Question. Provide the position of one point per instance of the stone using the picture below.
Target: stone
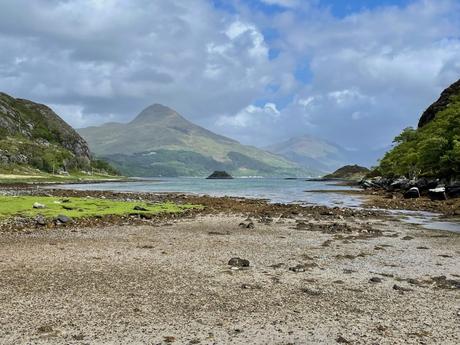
(375, 280)
(437, 193)
(238, 262)
(63, 219)
(412, 193)
(139, 208)
(40, 221)
(38, 205)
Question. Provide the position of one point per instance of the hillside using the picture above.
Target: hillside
(433, 149)
(349, 172)
(160, 142)
(311, 153)
(32, 136)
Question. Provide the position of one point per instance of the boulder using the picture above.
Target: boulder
(400, 184)
(219, 175)
(437, 193)
(412, 193)
(424, 184)
(453, 191)
(40, 221)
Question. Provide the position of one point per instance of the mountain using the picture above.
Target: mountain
(33, 136)
(433, 149)
(160, 142)
(311, 153)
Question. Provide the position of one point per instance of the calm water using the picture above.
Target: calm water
(273, 189)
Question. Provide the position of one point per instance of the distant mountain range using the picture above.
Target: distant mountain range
(312, 153)
(160, 142)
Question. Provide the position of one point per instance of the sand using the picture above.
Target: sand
(170, 283)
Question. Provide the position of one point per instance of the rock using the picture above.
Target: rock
(400, 184)
(412, 193)
(62, 219)
(453, 191)
(250, 226)
(342, 340)
(238, 262)
(407, 238)
(40, 221)
(400, 288)
(437, 193)
(38, 205)
(139, 208)
(375, 280)
(219, 175)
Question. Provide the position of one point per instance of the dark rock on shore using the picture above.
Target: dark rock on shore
(238, 262)
(412, 193)
(219, 175)
(437, 193)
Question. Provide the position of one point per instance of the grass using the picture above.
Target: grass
(29, 175)
(81, 207)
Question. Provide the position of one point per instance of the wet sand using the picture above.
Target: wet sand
(314, 278)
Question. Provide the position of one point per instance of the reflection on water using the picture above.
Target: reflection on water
(275, 190)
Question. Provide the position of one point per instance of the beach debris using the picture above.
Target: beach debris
(407, 238)
(342, 340)
(38, 205)
(302, 267)
(443, 283)
(401, 288)
(375, 280)
(311, 292)
(238, 262)
(244, 225)
(169, 339)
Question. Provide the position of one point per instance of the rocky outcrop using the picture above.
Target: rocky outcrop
(349, 172)
(38, 122)
(442, 103)
(33, 134)
(219, 175)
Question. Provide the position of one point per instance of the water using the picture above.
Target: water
(275, 190)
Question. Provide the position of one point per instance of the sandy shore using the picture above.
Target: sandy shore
(309, 282)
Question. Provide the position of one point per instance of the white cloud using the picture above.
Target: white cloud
(250, 116)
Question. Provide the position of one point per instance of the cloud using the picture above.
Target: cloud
(256, 75)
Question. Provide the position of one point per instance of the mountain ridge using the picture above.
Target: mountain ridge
(166, 142)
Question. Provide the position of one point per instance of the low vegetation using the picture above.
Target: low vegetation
(82, 207)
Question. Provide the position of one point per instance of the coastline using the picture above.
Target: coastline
(315, 275)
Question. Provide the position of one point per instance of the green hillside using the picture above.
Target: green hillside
(160, 142)
(433, 149)
(33, 137)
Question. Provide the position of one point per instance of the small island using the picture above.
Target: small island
(219, 175)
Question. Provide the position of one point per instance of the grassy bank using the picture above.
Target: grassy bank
(33, 176)
(82, 207)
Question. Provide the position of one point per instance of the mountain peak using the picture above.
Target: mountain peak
(155, 112)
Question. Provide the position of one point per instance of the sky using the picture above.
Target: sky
(260, 71)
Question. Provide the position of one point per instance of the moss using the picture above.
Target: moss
(82, 207)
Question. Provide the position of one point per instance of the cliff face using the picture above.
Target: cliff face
(33, 134)
(442, 103)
